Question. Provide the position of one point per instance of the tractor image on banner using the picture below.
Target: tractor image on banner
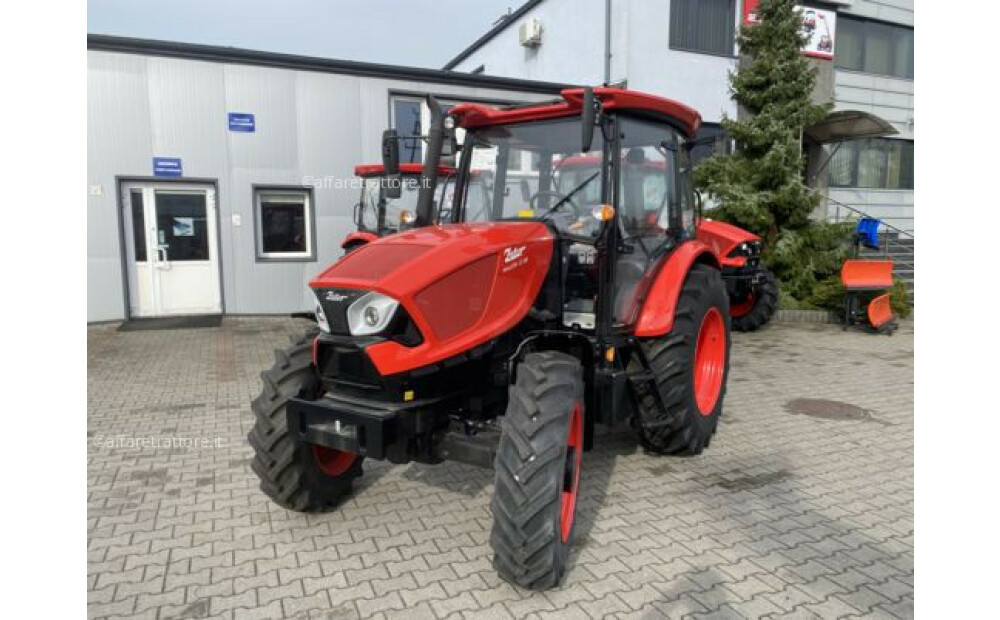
(523, 308)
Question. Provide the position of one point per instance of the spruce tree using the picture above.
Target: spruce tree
(760, 187)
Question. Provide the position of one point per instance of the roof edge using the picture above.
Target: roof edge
(216, 53)
(492, 32)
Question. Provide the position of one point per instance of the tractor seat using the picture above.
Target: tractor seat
(870, 275)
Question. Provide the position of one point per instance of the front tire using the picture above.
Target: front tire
(538, 471)
(760, 305)
(298, 476)
(690, 365)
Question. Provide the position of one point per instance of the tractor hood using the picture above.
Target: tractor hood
(461, 284)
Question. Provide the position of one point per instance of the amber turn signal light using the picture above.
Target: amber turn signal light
(604, 213)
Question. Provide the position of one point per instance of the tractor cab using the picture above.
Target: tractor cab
(617, 194)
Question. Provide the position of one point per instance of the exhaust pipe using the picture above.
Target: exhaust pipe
(428, 177)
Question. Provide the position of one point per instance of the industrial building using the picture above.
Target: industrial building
(218, 178)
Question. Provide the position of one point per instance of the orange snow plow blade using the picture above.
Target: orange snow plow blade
(866, 274)
(880, 311)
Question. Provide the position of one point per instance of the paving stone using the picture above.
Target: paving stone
(785, 515)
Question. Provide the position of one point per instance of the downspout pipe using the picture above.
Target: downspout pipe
(607, 42)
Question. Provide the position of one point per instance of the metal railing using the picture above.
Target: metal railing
(905, 251)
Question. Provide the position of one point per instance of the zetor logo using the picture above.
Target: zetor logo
(335, 296)
(512, 254)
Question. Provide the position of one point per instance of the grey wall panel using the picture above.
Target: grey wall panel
(889, 98)
(118, 143)
(895, 11)
(572, 45)
(330, 141)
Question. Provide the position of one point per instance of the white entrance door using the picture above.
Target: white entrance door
(172, 249)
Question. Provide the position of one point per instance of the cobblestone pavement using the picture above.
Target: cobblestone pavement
(800, 508)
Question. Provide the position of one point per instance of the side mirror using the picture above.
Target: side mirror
(587, 118)
(392, 183)
(525, 190)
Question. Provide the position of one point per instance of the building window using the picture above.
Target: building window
(711, 140)
(406, 116)
(284, 224)
(875, 163)
(703, 26)
(874, 47)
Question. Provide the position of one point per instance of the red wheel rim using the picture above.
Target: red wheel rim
(333, 462)
(571, 473)
(709, 360)
(744, 307)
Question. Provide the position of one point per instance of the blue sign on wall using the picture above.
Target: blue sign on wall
(167, 167)
(239, 121)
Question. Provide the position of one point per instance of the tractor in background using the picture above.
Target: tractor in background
(752, 288)
(381, 211)
(502, 336)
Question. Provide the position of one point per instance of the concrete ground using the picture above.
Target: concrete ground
(802, 507)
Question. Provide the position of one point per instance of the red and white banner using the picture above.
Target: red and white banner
(819, 26)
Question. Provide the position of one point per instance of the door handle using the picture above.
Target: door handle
(162, 259)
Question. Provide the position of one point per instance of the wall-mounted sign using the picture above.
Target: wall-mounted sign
(167, 167)
(819, 27)
(242, 122)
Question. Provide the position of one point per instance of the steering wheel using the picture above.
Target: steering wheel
(533, 203)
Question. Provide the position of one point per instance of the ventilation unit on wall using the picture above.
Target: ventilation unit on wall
(530, 33)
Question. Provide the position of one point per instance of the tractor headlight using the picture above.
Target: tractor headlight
(321, 318)
(370, 314)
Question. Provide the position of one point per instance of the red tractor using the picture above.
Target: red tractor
(501, 337)
(752, 288)
(379, 211)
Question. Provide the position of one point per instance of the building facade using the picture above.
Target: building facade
(219, 180)
(685, 50)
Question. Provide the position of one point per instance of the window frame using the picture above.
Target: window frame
(865, 24)
(309, 205)
(885, 144)
(733, 29)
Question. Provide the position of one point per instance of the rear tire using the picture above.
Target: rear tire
(538, 471)
(692, 385)
(762, 305)
(297, 476)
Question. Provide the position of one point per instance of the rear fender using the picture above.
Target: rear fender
(657, 315)
(358, 237)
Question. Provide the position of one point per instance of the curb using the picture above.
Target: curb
(806, 316)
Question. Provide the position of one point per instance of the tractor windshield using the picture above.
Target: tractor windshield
(519, 165)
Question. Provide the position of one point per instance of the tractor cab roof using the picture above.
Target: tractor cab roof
(685, 118)
(377, 170)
